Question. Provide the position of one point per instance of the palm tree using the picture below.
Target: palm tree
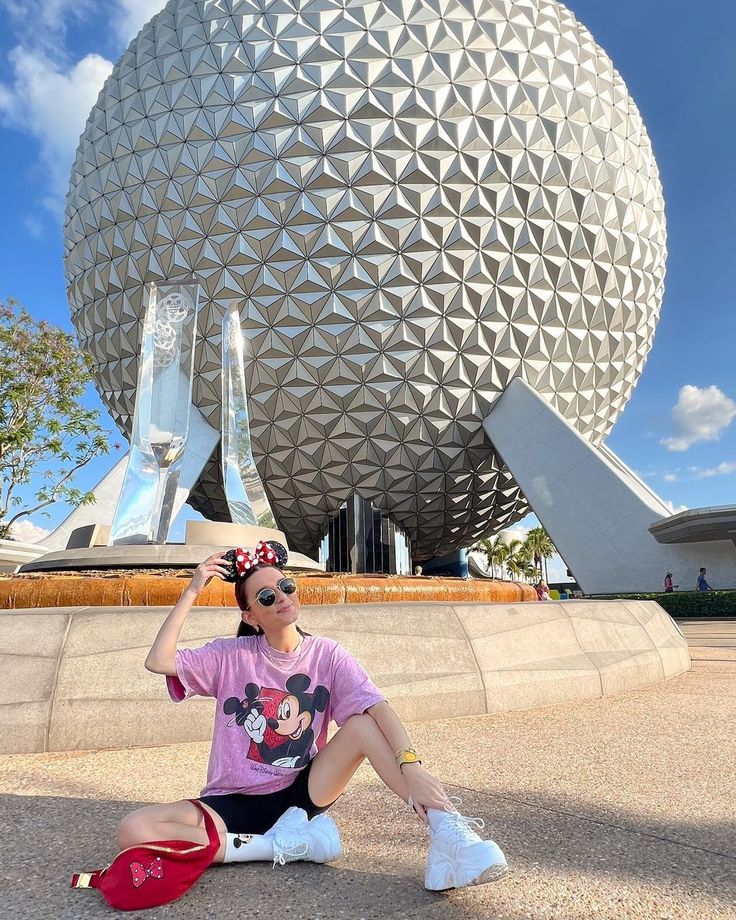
(499, 553)
(511, 562)
(496, 552)
(513, 546)
(515, 566)
(541, 547)
(518, 558)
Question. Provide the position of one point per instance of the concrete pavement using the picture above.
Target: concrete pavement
(709, 632)
(611, 808)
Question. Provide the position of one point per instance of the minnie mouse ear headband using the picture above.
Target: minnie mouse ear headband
(241, 561)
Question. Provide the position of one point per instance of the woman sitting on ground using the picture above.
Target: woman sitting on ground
(272, 773)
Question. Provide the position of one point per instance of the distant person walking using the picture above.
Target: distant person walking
(668, 586)
(702, 582)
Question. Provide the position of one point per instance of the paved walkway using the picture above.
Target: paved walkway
(617, 808)
(714, 632)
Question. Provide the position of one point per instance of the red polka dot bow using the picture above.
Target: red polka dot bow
(139, 873)
(262, 555)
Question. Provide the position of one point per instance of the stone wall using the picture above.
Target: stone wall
(73, 678)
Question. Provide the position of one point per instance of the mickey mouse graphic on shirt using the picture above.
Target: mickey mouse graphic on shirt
(280, 723)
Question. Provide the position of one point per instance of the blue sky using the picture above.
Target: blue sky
(678, 430)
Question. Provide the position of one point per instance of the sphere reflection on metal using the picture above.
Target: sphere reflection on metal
(412, 201)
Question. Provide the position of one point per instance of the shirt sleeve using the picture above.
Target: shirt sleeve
(352, 690)
(197, 672)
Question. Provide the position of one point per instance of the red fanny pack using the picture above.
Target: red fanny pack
(152, 874)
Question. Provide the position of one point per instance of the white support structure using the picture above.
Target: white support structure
(203, 439)
(595, 509)
(107, 492)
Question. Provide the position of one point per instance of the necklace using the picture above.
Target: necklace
(292, 664)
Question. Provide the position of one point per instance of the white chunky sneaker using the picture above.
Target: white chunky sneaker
(295, 837)
(458, 856)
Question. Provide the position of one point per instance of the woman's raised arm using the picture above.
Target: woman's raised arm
(160, 659)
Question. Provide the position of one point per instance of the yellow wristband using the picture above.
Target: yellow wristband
(407, 756)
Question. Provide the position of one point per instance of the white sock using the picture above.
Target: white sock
(248, 848)
(435, 816)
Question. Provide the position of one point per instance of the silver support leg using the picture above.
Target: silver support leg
(244, 491)
(161, 418)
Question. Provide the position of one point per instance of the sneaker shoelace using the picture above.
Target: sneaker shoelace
(462, 827)
(288, 852)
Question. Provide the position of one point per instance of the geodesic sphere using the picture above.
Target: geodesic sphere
(413, 202)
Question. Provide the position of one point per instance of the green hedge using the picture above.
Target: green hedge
(691, 603)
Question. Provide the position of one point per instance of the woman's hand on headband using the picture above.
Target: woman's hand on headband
(214, 566)
(425, 791)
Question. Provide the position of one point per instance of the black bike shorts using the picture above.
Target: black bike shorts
(255, 814)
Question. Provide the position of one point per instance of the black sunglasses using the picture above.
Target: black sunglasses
(266, 597)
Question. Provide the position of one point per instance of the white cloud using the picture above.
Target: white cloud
(701, 414)
(723, 469)
(671, 477)
(26, 531)
(674, 509)
(52, 105)
(34, 226)
(134, 14)
(519, 532)
(44, 20)
(48, 95)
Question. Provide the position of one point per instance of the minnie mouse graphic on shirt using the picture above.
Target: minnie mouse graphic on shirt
(280, 723)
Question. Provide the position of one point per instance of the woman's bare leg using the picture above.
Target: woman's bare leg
(480, 861)
(334, 766)
(173, 821)
(332, 769)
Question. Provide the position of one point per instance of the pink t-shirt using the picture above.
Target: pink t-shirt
(273, 708)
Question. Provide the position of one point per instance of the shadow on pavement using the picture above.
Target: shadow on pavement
(557, 833)
(54, 837)
(546, 841)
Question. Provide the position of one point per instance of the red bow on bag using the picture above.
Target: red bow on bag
(139, 873)
(262, 555)
(177, 864)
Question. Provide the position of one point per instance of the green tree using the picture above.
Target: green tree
(513, 545)
(530, 573)
(515, 566)
(499, 552)
(542, 548)
(514, 563)
(496, 552)
(46, 434)
(517, 558)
